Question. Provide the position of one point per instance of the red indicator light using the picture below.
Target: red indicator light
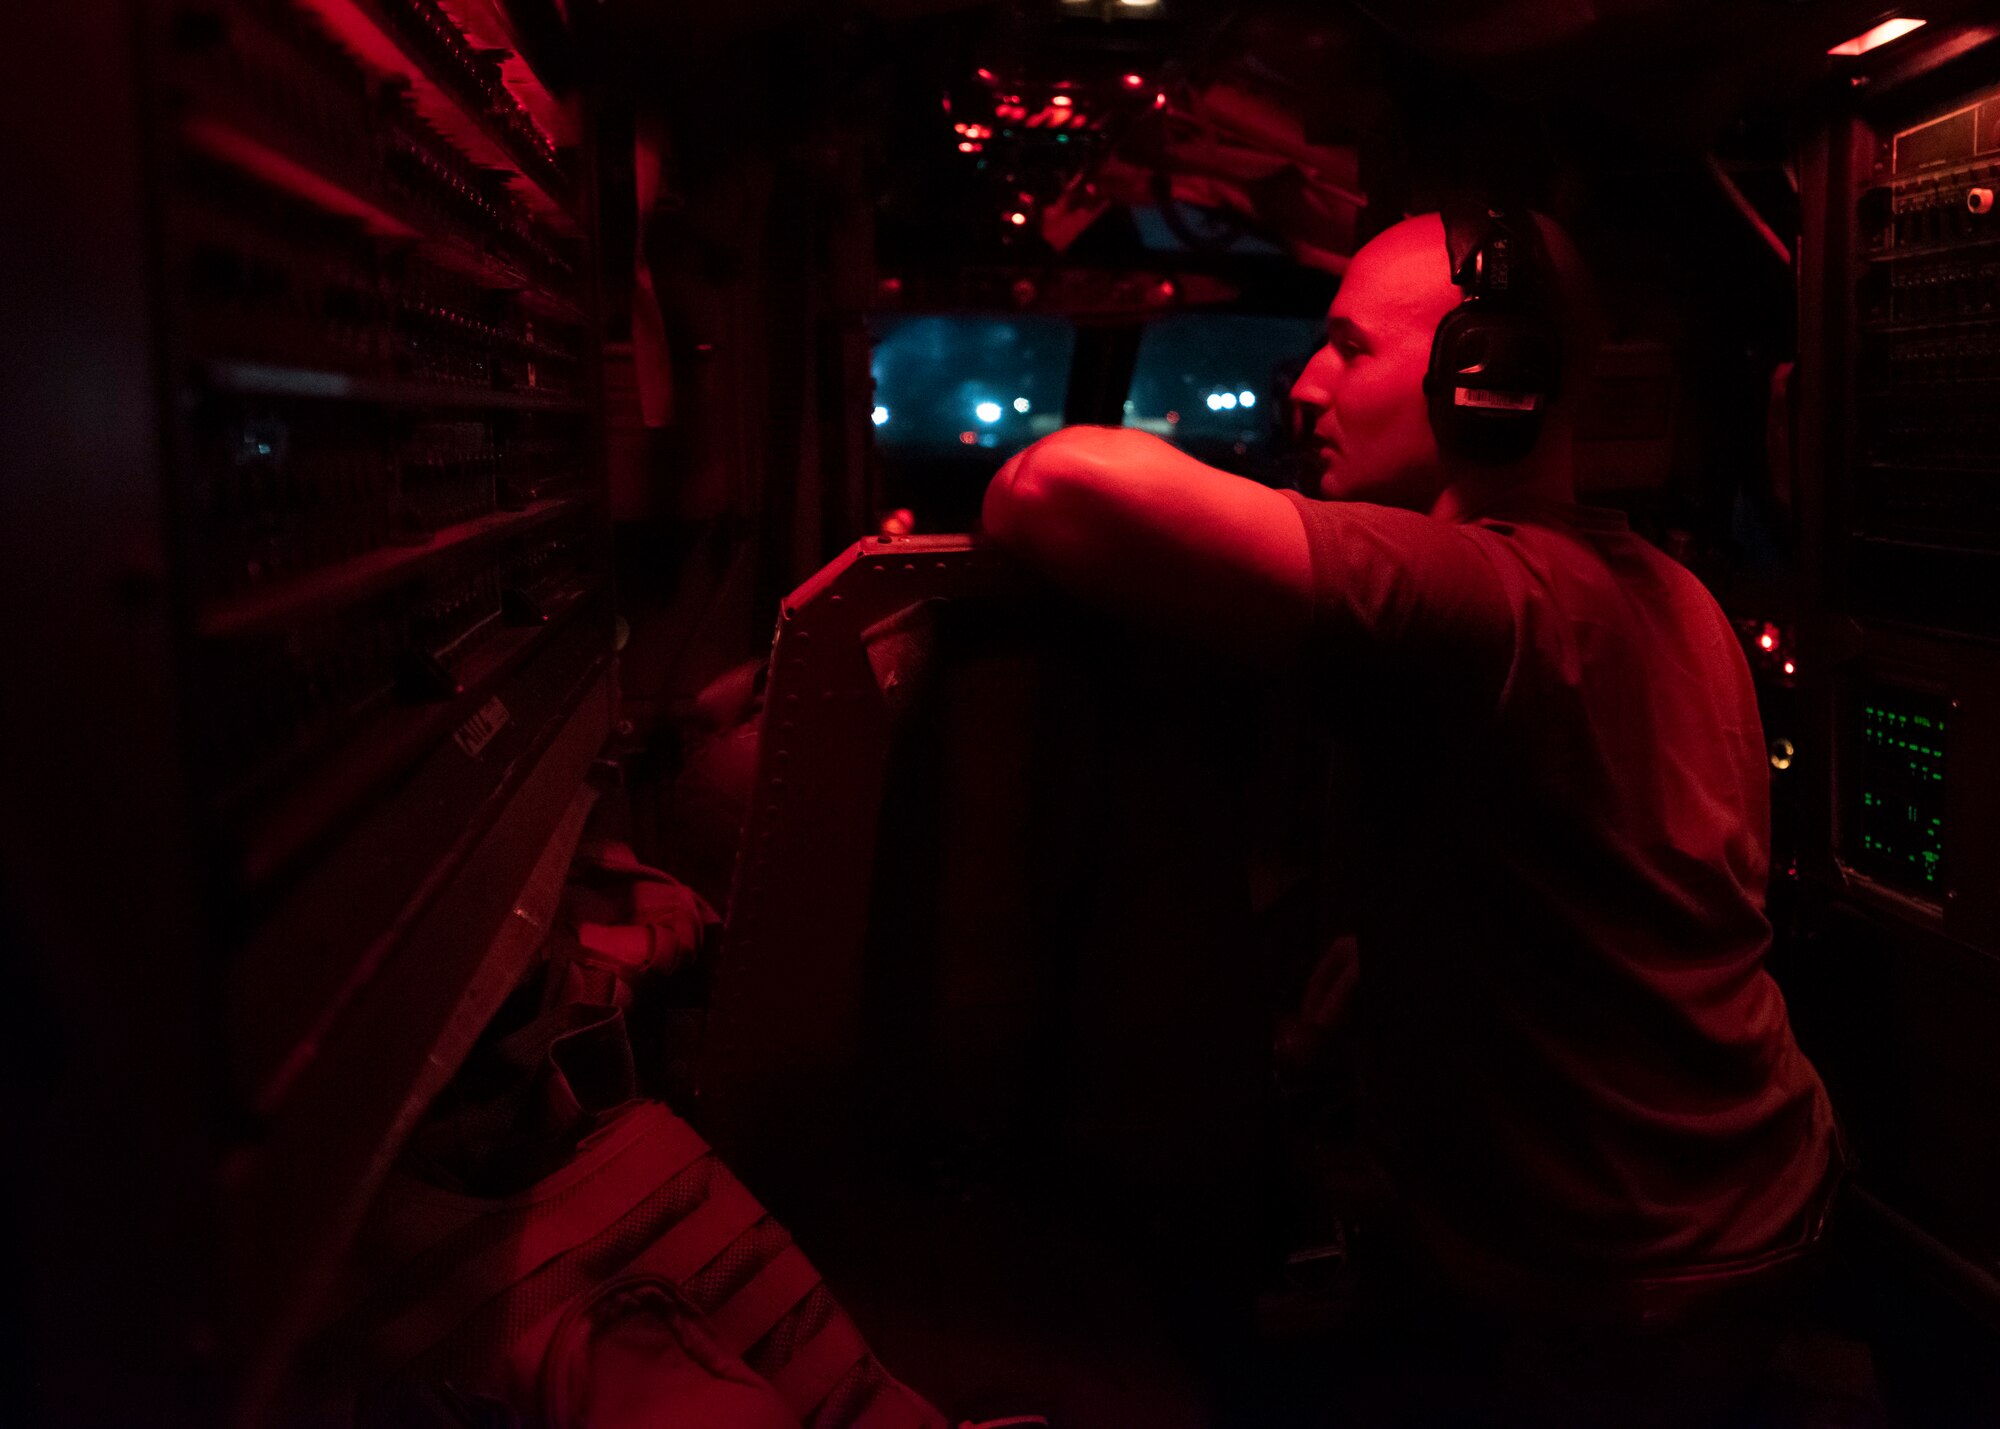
(1135, 81)
(1767, 641)
(1062, 101)
(1173, 418)
(1017, 218)
(985, 74)
(968, 147)
(1160, 100)
(1790, 668)
(969, 438)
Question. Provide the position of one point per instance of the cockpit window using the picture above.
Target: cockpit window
(956, 395)
(947, 386)
(1214, 384)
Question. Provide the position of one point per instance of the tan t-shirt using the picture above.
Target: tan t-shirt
(1577, 1065)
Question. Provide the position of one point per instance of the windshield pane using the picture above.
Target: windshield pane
(1214, 384)
(985, 382)
(955, 395)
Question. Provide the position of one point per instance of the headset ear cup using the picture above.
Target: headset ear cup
(1496, 359)
(1509, 359)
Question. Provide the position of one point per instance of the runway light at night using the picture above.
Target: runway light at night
(987, 411)
(1020, 404)
(1215, 402)
(1248, 399)
(1226, 401)
(1881, 35)
(880, 415)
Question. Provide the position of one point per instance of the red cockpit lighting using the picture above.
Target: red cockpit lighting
(1881, 35)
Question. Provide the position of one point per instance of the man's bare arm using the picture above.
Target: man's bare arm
(1128, 522)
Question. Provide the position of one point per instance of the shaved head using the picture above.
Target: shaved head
(1362, 395)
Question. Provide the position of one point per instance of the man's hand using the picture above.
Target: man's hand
(1129, 522)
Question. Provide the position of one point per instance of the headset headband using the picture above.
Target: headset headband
(1490, 249)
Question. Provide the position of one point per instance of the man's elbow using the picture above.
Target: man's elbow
(1028, 505)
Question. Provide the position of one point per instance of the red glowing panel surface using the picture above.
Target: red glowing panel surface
(1881, 35)
(283, 172)
(360, 27)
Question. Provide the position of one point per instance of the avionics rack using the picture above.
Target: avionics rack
(308, 296)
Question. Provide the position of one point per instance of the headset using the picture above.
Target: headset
(1496, 358)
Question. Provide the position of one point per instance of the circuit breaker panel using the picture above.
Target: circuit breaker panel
(1896, 981)
(363, 625)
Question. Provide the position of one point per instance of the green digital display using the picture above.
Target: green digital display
(1896, 822)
